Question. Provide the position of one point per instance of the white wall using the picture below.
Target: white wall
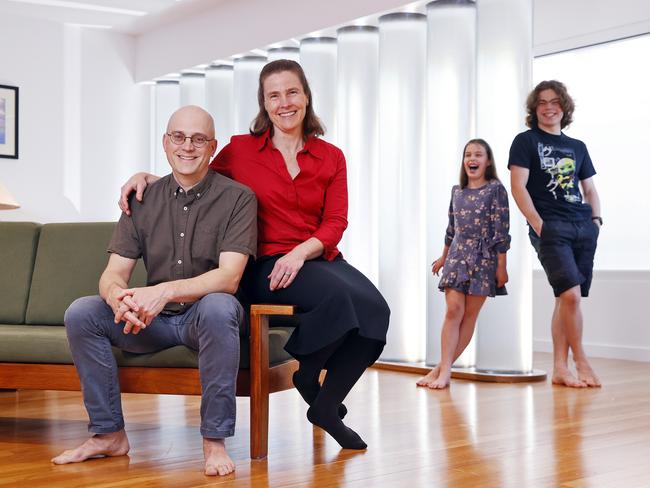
(568, 24)
(77, 121)
(616, 324)
(110, 135)
(36, 178)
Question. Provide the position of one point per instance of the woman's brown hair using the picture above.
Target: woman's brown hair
(311, 125)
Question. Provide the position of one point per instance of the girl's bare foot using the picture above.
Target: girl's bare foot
(586, 374)
(430, 377)
(217, 461)
(564, 377)
(99, 445)
(441, 382)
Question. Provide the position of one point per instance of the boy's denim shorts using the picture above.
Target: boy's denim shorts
(566, 250)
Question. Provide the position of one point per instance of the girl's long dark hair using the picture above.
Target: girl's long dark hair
(490, 171)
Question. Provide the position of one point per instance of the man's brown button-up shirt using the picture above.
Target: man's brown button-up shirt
(180, 234)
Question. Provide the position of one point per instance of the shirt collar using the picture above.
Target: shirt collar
(264, 139)
(199, 189)
(314, 147)
(312, 144)
(548, 133)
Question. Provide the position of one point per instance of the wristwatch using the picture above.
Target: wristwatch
(599, 219)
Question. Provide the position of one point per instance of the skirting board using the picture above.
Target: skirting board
(421, 368)
(608, 351)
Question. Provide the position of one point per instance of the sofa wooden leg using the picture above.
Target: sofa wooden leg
(259, 373)
(259, 426)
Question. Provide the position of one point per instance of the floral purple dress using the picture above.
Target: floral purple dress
(479, 222)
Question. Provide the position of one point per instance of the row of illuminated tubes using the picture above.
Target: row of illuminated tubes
(400, 100)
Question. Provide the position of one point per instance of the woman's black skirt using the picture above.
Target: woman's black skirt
(332, 299)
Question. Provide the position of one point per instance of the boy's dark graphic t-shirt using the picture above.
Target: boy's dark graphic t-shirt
(556, 164)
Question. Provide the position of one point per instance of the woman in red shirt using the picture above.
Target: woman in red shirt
(301, 187)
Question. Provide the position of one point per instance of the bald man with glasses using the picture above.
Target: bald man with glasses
(195, 231)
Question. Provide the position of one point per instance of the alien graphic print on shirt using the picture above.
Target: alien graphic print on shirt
(560, 164)
(556, 164)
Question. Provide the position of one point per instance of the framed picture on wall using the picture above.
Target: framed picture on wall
(8, 122)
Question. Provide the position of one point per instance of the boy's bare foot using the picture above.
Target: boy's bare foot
(430, 377)
(99, 445)
(586, 374)
(217, 461)
(564, 377)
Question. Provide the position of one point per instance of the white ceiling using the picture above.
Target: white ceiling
(137, 17)
(128, 16)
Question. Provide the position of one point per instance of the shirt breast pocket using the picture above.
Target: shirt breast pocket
(206, 243)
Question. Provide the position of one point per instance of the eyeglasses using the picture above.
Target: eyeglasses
(555, 102)
(197, 140)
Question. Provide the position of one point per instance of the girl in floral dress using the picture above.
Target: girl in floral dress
(474, 256)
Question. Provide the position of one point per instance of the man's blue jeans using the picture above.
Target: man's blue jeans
(210, 326)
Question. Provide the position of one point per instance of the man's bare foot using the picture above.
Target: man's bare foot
(586, 374)
(217, 461)
(99, 445)
(564, 377)
(429, 378)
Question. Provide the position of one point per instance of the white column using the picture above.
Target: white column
(246, 78)
(193, 89)
(167, 101)
(403, 264)
(318, 60)
(357, 132)
(72, 94)
(292, 53)
(219, 101)
(143, 130)
(451, 95)
(505, 39)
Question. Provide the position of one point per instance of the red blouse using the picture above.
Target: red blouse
(290, 211)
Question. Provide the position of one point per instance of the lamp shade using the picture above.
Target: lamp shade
(7, 200)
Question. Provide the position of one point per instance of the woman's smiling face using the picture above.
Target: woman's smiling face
(285, 101)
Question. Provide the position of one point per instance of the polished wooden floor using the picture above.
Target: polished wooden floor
(471, 435)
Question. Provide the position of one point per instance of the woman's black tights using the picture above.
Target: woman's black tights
(345, 361)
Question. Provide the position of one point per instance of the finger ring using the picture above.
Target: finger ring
(287, 274)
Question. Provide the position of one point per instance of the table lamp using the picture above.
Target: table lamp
(7, 200)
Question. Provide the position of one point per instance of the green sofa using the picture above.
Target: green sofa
(46, 267)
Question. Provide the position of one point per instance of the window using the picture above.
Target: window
(609, 83)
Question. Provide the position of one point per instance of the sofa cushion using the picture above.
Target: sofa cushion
(45, 344)
(69, 261)
(18, 242)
